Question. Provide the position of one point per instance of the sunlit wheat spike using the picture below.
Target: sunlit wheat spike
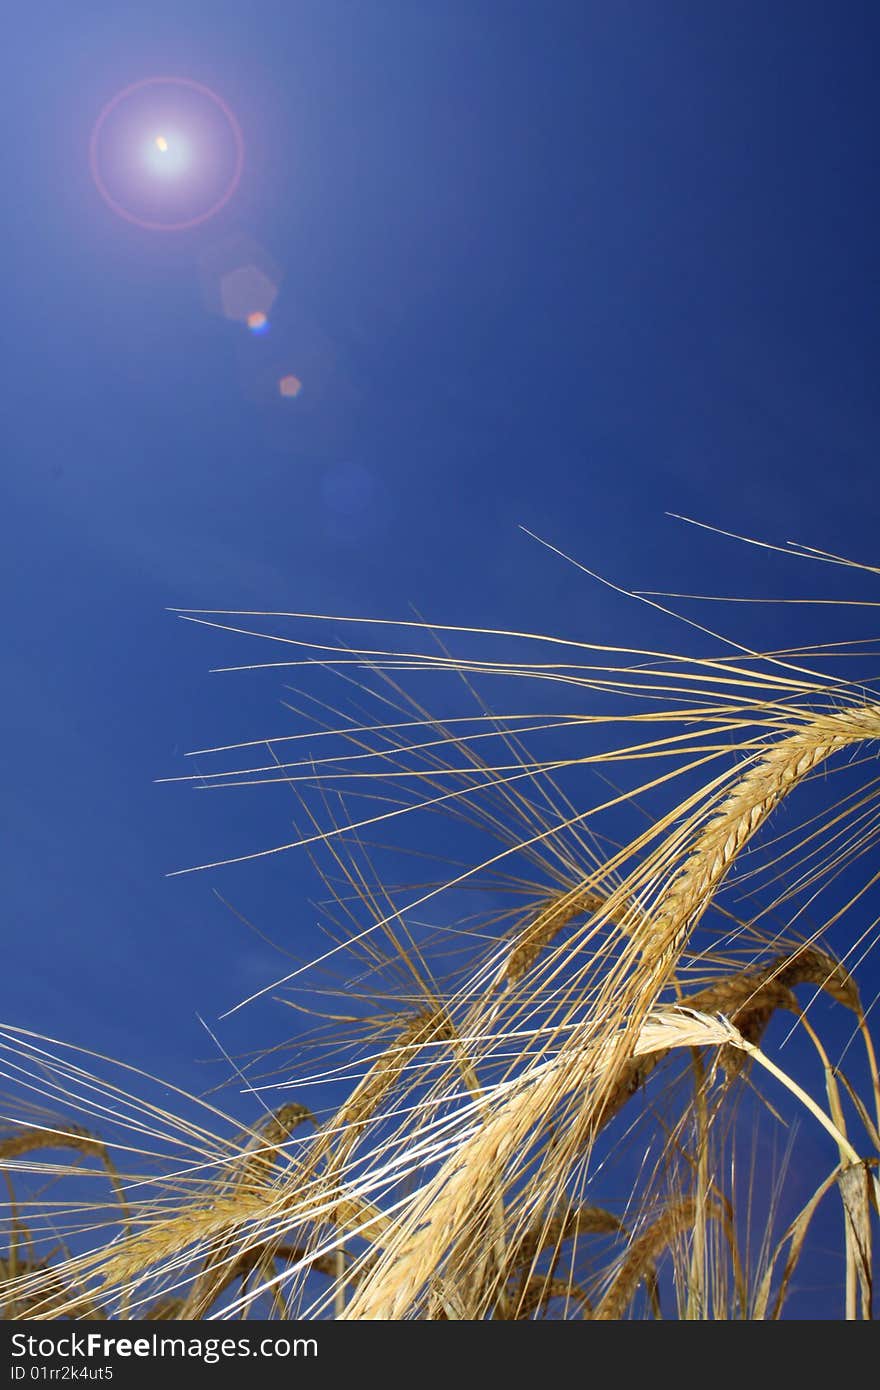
(642, 1254)
(550, 919)
(659, 934)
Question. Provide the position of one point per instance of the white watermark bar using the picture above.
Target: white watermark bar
(260, 1355)
(143, 1353)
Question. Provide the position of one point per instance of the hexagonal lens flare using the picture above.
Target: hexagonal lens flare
(240, 280)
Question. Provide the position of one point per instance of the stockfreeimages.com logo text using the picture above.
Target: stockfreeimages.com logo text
(210, 1350)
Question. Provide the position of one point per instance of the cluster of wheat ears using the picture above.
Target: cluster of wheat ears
(583, 1071)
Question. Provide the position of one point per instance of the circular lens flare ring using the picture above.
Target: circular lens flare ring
(160, 143)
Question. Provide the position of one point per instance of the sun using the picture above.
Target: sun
(169, 155)
(166, 153)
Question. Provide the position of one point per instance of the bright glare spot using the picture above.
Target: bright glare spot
(290, 386)
(167, 155)
(257, 322)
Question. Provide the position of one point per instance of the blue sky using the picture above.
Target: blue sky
(563, 266)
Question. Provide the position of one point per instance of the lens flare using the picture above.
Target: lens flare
(194, 153)
(258, 322)
(238, 277)
(290, 386)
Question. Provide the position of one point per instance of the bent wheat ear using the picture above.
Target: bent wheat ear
(774, 773)
(595, 1065)
(538, 1292)
(641, 1257)
(555, 915)
(264, 1151)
